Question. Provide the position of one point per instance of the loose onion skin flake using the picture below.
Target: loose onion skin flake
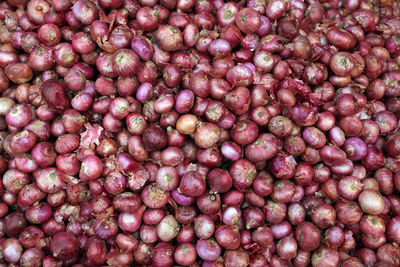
(201, 133)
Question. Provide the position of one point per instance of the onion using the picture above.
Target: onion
(283, 166)
(280, 126)
(168, 228)
(192, 184)
(371, 202)
(199, 133)
(227, 236)
(208, 250)
(53, 93)
(243, 173)
(11, 250)
(287, 248)
(325, 257)
(169, 37)
(307, 236)
(388, 253)
(125, 62)
(64, 246)
(248, 20)
(206, 135)
(340, 38)
(185, 254)
(32, 256)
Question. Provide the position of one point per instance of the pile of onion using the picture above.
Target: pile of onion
(200, 133)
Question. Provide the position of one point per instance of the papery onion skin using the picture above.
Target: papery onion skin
(54, 94)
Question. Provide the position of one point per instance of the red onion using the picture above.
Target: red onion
(280, 126)
(208, 250)
(287, 248)
(283, 191)
(325, 257)
(371, 202)
(236, 258)
(388, 253)
(185, 254)
(274, 212)
(125, 62)
(153, 197)
(64, 246)
(307, 236)
(283, 166)
(168, 228)
(392, 229)
(334, 237)
(169, 37)
(196, 132)
(32, 256)
(263, 148)
(340, 38)
(11, 250)
(227, 236)
(192, 184)
(206, 135)
(239, 75)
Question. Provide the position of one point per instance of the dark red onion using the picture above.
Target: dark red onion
(307, 236)
(348, 212)
(64, 246)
